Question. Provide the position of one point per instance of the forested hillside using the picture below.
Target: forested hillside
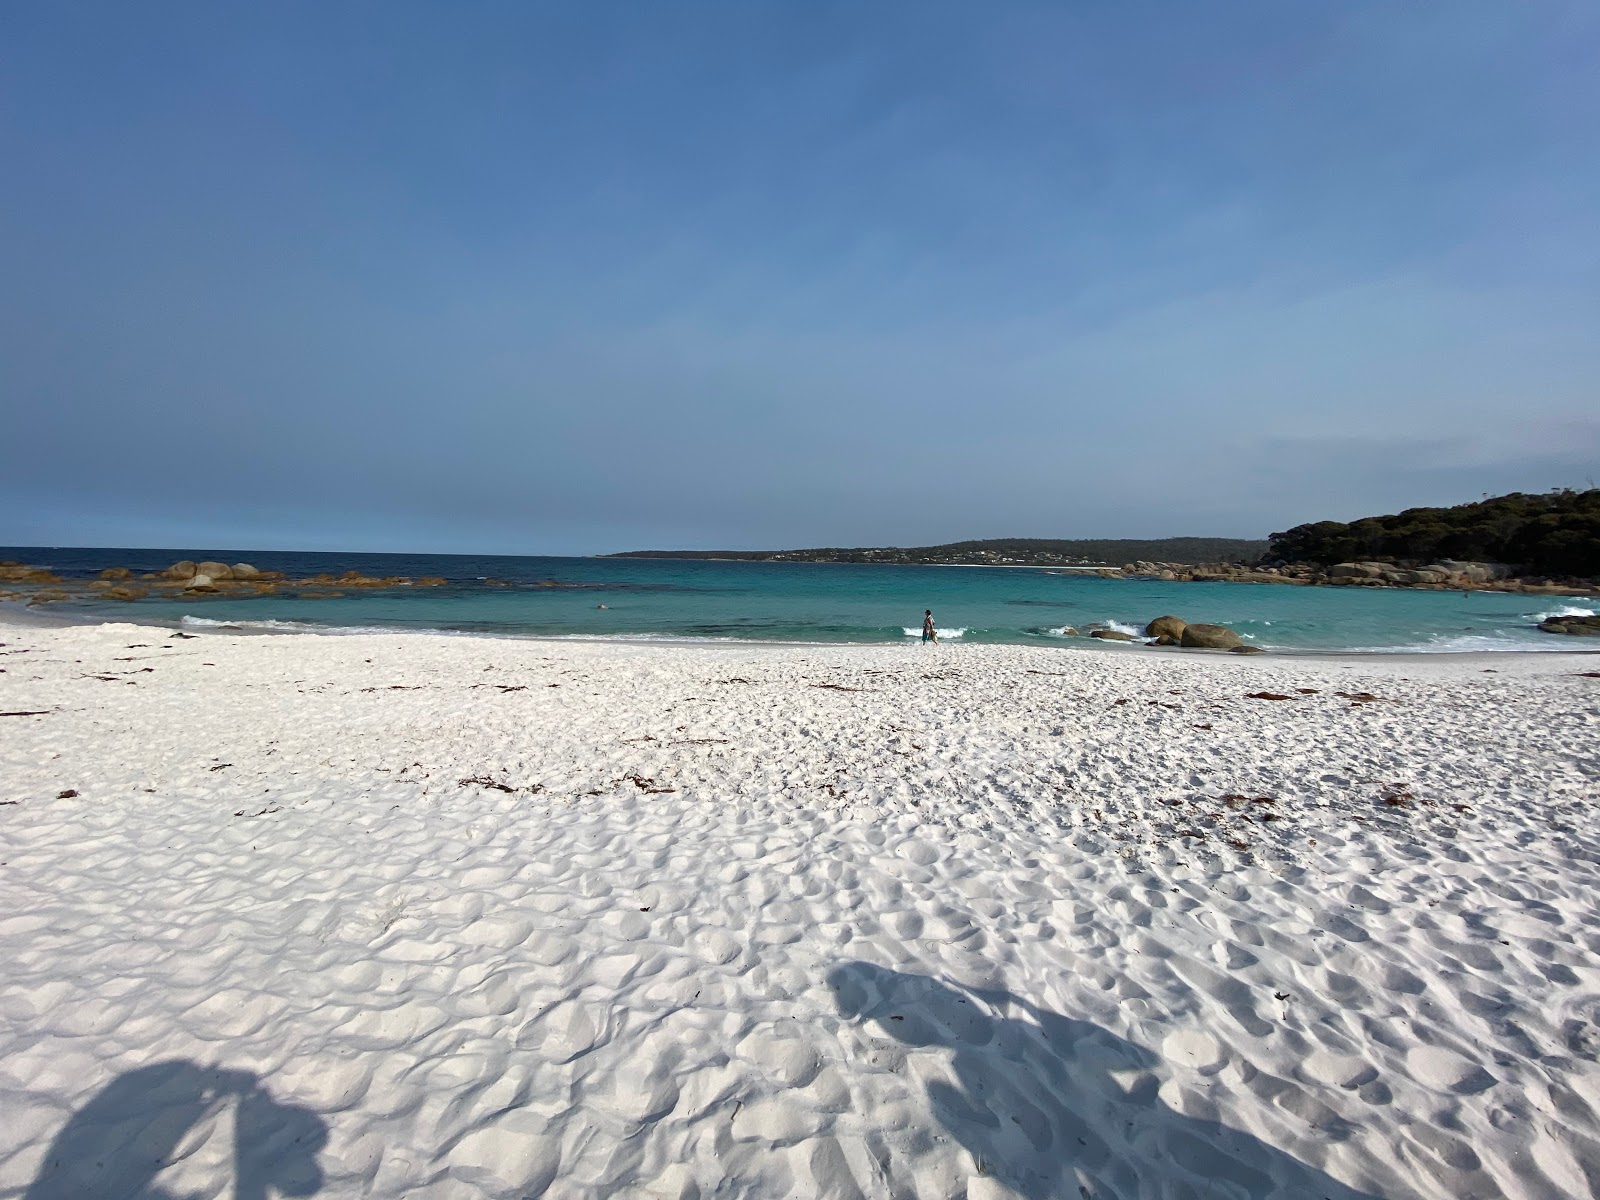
(1549, 533)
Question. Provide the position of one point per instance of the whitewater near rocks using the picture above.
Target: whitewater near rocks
(418, 916)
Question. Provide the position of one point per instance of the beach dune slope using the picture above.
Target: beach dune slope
(423, 916)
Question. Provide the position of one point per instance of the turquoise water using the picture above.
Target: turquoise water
(823, 602)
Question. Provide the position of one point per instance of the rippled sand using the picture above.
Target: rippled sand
(413, 916)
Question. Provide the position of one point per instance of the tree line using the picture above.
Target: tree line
(1025, 551)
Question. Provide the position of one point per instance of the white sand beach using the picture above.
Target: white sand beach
(429, 916)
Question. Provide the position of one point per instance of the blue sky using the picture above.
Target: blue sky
(571, 278)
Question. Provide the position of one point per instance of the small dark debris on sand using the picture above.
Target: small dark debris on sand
(645, 784)
(1359, 697)
(68, 794)
(837, 687)
(220, 767)
(1239, 800)
(486, 781)
(27, 712)
(1266, 696)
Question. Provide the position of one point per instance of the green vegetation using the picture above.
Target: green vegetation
(1555, 533)
(1032, 552)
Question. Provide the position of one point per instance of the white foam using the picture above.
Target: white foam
(649, 638)
(1462, 644)
(194, 622)
(277, 626)
(950, 634)
(1568, 610)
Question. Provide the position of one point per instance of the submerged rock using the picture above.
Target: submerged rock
(1111, 635)
(116, 573)
(1210, 637)
(1572, 626)
(14, 572)
(1242, 649)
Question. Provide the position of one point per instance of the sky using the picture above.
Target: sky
(570, 278)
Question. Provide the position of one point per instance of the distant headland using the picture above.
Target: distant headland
(1004, 552)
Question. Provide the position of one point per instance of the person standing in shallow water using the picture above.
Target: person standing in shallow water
(929, 633)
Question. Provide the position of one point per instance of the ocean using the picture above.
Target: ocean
(812, 602)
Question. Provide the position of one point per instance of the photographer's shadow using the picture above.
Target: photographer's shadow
(135, 1128)
(1038, 1103)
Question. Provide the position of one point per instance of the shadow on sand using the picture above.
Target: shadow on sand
(118, 1143)
(1037, 1102)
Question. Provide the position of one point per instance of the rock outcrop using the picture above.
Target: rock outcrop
(1446, 574)
(1111, 635)
(1210, 637)
(1168, 626)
